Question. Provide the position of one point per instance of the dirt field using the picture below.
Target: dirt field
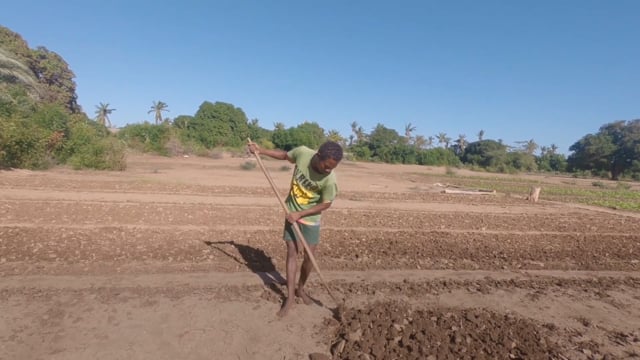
(181, 258)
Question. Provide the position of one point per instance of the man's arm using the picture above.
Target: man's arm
(275, 153)
(295, 216)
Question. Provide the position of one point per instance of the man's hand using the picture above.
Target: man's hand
(293, 217)
(253, 147)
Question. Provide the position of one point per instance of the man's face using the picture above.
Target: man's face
(325, 166)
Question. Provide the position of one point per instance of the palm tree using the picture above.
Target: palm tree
(444, 139)
(278, 126)
(102, 114)
(553, 149)
(420, 142)
(335, 136)
(531, 147)
(462, 143)
(528, 146)
(13, 71)
(408, 129)
(358, 131)
(430, 141)
(158, 108)
(544, 150)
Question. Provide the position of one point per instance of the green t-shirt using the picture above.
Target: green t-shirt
(309, 188)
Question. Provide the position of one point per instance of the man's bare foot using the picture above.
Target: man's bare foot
(284, 310)
(303, 295)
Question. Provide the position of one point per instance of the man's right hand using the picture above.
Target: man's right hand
(253, 148)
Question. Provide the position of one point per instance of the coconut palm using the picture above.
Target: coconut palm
(528, 146)
(335, 136)
(102, 114)
(158, 108)
(430, 141)
(13, 71)
(461, 142)
(531, 146)
(544, 150)
(444, 139)
(358, 131)
(420, 142)
(408, 130)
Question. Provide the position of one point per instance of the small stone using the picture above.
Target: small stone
(319, 356)
(338, 347)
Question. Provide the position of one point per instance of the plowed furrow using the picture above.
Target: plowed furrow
(340, 249)
(166, 214)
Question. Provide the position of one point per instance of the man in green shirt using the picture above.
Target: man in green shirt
(313, 189)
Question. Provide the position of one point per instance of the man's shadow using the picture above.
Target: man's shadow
(257, 261)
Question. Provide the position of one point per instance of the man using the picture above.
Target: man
(313, 189)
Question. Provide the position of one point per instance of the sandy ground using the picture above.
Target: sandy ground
(181, 258)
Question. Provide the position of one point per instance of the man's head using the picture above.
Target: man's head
(328, 156)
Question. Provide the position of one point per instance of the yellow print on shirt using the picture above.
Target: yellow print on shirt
(301, 195)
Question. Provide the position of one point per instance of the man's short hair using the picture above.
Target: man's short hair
(330, 150)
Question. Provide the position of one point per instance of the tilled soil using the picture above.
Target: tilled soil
(394, 330)
(159, 260)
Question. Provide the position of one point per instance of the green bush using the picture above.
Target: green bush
(147, 138)
(104, 154)
(90, 147)
(23, 145)
(248, 165)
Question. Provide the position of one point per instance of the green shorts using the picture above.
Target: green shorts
(311, 233)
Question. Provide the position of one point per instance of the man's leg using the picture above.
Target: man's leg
(307, 267)
(292, 267)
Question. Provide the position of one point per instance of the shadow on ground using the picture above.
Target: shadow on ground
(255, 260)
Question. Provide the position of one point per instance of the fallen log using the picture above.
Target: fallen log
(469, 192)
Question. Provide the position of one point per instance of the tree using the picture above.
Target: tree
(382, 141)
(309, 134)
(335, 136)
(358, 132)
(480, 135)
(182, 121)
(520, 160)
(615, 148)
(444, 139)
(54, 73)
(43, 73)
(550, 161)
(13, 71)
(430, 141)
(420, 142)
(259, 134)
(528, 146)
(218, 124)
(485, 153)
(460, 144)
(157, 108)
(102, 114)
(408, 130)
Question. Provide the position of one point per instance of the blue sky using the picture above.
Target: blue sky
(552, 71)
